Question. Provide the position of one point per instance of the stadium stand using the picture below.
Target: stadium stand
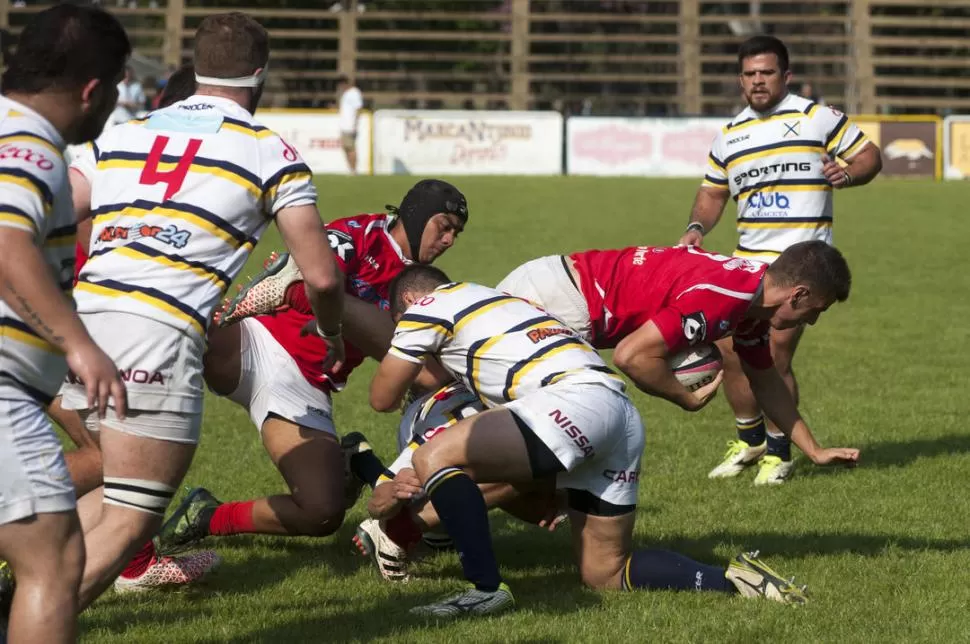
(620, 57)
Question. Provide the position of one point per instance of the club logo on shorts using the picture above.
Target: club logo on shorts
(695, 327)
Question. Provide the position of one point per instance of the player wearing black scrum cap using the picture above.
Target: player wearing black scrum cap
(265, 356)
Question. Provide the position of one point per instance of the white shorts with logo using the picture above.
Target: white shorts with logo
(595, 432)
(33, 474)
(270, 382)
(546, 282)
(161, 367)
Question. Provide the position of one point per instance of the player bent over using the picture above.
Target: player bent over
(180, 199)
(649, 303)
(59, 88)
(558, 411)
(400, 513)
(269, 367)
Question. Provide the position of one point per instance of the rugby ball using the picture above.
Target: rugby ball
(697, 366)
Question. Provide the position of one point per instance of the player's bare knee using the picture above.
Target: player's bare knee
(431, 457)
(321, 516)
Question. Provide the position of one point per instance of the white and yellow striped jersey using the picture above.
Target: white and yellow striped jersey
(772, 164)
(179, 200)
(500, 347)
(34, 197)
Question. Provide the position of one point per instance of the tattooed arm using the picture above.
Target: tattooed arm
(27, 285)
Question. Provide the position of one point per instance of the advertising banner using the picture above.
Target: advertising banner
(651, 147)
(316, 136)
(442, 142)
(910, 144)
(956, 147)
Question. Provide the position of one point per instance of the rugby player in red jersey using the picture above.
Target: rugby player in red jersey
(270, 365)
(649, 303)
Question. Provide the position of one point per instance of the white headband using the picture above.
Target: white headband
(254, 80)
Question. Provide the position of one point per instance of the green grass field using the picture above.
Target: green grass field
(884, 548)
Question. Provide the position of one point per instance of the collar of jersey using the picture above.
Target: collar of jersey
(783, 104)
(49, 130)
(226, 105)
(387, 233)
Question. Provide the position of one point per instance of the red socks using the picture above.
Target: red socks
(232, 518)
(140, 562)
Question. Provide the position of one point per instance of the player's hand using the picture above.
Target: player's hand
(835, 174)
(336, 354)
(847, 456)
(705, 394)
(407, 485)
(100, 377)
(691, 238)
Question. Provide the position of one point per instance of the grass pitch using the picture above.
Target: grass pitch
(884, 548)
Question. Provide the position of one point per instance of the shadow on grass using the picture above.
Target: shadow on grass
(905, 452)
(799, 545)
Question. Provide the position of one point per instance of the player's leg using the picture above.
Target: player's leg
(222, 362)
(603, 546)
(297, 431)
(40, 537)
(602, 515)
(84, 463)
(46, 554)
(141, 474)
(312, 465)
(750, 445)
(488, 447)
(349, 143)
(777, 466)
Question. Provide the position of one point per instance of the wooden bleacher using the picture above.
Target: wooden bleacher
(624, 57)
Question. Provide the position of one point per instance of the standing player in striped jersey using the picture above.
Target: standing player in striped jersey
(776, 159)
(179, 199)
(148, 569)
(84, 463)
(557, 411)
(59, 88)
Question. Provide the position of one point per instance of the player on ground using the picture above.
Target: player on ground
(179, 200)
(84, 463)
(777, 160)
(558, 411)
(400, 513)
(650, 303)
(59, 88)
(269, 367)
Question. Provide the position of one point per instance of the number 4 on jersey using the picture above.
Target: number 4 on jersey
(173, 179)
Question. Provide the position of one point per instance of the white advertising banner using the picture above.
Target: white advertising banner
(316, 136)
(651, 147)
(442, 142)
(956, 147)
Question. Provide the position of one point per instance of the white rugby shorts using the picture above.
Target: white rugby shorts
(161, 366)
(270, 382)
(33, 473)
(597, 435)
(546, 283)
(162, 370)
